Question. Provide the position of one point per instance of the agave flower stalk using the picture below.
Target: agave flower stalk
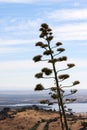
(57, 92)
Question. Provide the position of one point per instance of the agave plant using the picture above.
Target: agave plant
(57, 92)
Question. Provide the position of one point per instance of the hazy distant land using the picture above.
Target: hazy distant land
(30, 96)
(81, 96)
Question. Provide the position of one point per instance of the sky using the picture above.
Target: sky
(20, 21)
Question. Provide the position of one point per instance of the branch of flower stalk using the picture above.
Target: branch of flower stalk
(67, 95)
(69, 67)
(53, 90)
(53, 47)
(67, 86)
(57, 44)
(72, 92)
(39, 77)
(74, 83)
(57, 54)
(62, 80)
(48, 77)
(45, 60)
(63, 69)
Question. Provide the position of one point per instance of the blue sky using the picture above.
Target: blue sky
(20, 21)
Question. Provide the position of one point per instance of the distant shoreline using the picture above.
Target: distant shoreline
(76, 107)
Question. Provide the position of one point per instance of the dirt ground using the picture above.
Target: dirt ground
(31, 119)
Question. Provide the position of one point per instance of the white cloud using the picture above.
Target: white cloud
(15, 41)
(68, 14)
(11, 50)
(66, 31)
(71, 31)
(16, 65)
(23, 65)
(17, 28)
(21, 24)
(16, 1)
(29, 1)
(17, 74)
(74, 31)
(7, 46)
(83, 44)
(76, 4)
(40, 1)
(20, 74)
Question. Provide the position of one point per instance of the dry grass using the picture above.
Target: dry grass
(25, 120)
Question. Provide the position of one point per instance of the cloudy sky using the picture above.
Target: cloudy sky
(20, 21)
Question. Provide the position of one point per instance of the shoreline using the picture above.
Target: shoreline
(36, 107)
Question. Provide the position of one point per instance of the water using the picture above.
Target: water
(76, 107)
(28, 98)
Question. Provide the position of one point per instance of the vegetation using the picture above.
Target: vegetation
(52, 55)
(47, 122)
